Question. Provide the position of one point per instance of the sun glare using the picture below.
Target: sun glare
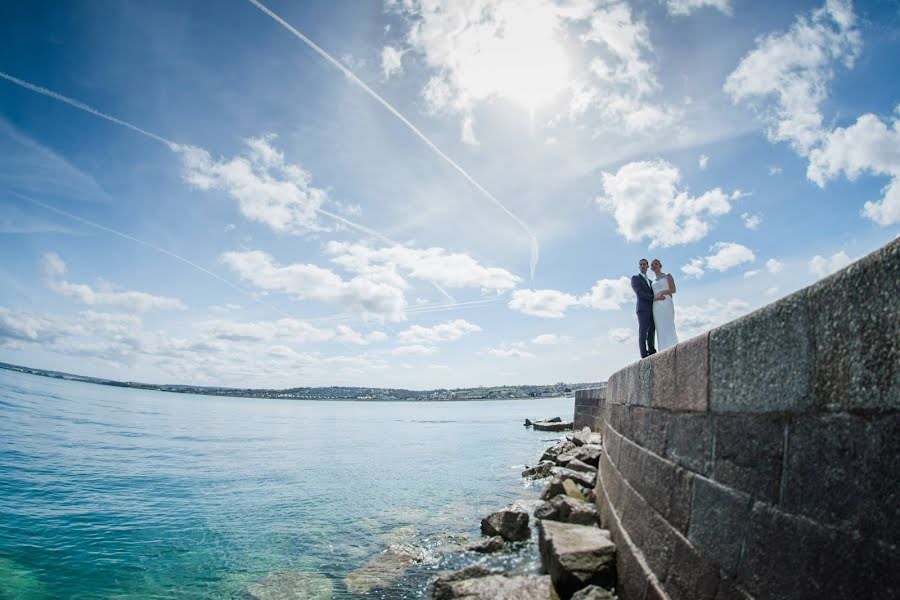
(521, 60)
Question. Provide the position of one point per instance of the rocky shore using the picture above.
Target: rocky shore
(577, 557)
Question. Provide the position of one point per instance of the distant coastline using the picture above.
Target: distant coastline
(505, 392)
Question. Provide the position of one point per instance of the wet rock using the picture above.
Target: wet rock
(576, 556)
(586, 480)
(553, 420)
(558, 486)
(593, 592)
(589, 454)
(577, 465)
(510, 524)
(561, 448)
(500, 587)
(441, 584)
(383, 570)
(488, 545)
(527, 422)
(567, 510)
(538, 471)
(292, 585)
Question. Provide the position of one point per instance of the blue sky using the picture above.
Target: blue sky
(195, 194)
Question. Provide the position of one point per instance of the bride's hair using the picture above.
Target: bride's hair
(656, 260)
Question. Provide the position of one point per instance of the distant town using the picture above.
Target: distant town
(504, 392)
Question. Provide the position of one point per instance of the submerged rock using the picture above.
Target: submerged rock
(488, 545)
(567, 510)
(441, 584)
(593, 592)
(292, 585)
(499, 587)
(510, 524)
(383, 570)
(576, 556)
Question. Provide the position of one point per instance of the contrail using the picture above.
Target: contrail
(82, 106)
(175, 147)
(535, 249)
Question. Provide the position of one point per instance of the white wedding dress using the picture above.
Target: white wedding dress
(664, 316)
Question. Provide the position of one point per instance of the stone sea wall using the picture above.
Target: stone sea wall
(762, 459)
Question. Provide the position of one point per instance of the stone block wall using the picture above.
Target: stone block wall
(762, 459)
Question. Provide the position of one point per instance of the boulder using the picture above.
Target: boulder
(576, 556)
(552, 425)
(593, 592)
(589, 454)
(586, 436)
(527, 422)
(586, 480)
(381, 571)
(510, 524)
(567, 510)
(577, 465)
(553, 420)
(499, 587)
(487, 545)
(539, 471)
(441, 584)
(553, 451)
(563, 459)
(573, 490)
(291, 585)
(558, 486)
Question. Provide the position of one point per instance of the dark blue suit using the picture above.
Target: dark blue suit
(644, 309)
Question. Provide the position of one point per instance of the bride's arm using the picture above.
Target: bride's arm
(671, 280)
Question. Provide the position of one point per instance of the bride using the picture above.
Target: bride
(663, 307)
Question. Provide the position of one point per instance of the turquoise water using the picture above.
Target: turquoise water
(116, 493)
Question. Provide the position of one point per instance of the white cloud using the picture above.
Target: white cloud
(691, 320)
(646, 203)
(608, 294)
(268, 189)
(694, 268)
(444, 332)
(621, 335)
(391, 61)
(551, 339)
(775, 170)
(414, 350)
(548, 304)
(772, 291)
(750, 274)
(794, 68)
(751, 221)
(686, 7)
(53, 265)
(727, 255)
(467, 132)
(436, 265)
(822, 267)
(510, 351)
(774, 266)
(348, 335)
(868, 146)
(360, 295)
(703, 161)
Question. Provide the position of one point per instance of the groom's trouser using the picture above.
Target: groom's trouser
(646, 333)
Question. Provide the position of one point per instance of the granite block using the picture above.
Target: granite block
(664, 384)
(749, 452)
(691, 375)
(719, 518)
(689, 441)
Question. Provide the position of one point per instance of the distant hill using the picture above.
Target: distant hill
(333, 392)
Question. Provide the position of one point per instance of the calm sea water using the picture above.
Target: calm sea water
(117, 493)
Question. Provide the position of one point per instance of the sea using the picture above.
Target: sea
(110, 492)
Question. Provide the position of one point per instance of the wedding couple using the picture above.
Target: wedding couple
(655, 308)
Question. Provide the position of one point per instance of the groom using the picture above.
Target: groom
(643, 289)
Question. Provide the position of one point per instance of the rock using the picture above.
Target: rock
(510, 524)
(441, 584)
(292, 585)
(574, 490)
(558, 486)
(381, 571)
(576, 556)
(593, 592)
(552, 425)
(588, 454)
(539, 471)
(486, 546)
(563, 459)
(499, 587)
(567, 510)
(586, 437)
(577, 465)
(527, 422)
(553, 420)
(586, 480)
(553, 451)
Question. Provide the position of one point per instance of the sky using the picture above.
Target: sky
(425, 194)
